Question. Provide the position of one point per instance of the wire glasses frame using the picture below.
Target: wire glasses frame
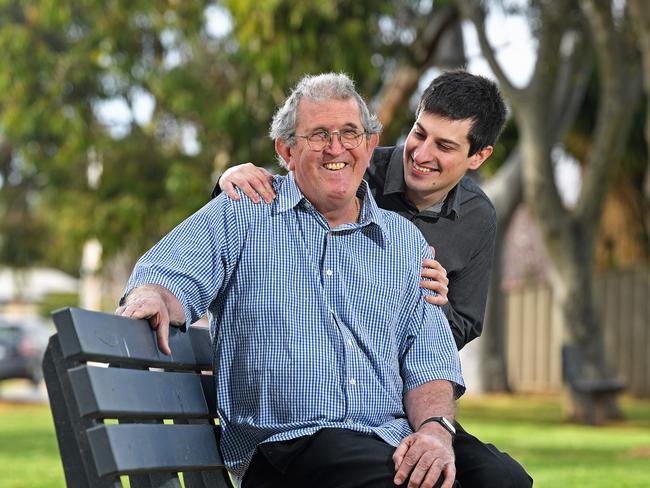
(320, 139)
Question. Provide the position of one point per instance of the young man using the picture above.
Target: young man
(458, 120)
(332, 369)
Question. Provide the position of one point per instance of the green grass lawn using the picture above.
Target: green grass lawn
(557, 454)
(560, 454)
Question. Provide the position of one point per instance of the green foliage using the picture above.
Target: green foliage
(69, 58)
(55, 301)
(66, 59)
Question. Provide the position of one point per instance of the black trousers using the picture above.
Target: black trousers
(341, 458)
(480, 465)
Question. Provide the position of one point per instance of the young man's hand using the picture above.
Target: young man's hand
(251, 180)
(435, 278)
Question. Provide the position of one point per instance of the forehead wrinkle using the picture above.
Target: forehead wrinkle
(354, 113)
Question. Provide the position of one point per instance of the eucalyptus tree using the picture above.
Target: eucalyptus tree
(570, 234)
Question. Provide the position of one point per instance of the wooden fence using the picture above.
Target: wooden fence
(535, 332)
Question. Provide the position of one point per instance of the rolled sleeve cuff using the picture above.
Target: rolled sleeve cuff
(418, 379)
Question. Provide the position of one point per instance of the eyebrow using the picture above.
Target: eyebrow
(347, 125)
(449, 142)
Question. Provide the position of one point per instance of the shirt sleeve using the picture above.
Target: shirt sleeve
(194, 260)
(428, 352)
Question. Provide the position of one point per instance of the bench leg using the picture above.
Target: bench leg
(592, 408)
(69, 428)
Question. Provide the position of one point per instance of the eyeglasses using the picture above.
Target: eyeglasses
(319, 139)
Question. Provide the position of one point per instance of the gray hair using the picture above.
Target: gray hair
(319, 88)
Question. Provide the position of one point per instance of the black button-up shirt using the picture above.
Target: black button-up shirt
(462, 233)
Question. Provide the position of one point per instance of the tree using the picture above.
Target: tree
(211, 98)
(505, 187)
(569, 235)
(640, 15)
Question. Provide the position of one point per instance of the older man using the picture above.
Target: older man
(458, 120)
(332, 369)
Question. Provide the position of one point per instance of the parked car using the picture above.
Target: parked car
(22, 346)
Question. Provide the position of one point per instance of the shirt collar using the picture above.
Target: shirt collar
(395, 172)
(289, 196)
(287, 191)
(395, 184)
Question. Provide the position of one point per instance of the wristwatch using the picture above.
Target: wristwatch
(449, 427)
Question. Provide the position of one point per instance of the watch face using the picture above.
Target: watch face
(448, 425)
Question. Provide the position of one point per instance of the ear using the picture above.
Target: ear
(284, 150)
(372, 142)
(480, 156)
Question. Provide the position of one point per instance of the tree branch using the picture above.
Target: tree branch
(476, 13)
(620, 89)
(404, 80)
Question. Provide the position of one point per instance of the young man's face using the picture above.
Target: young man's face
(328, 178)
(435, 158)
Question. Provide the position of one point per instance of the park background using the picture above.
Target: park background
(116, 119)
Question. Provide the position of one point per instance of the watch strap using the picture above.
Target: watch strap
(446, 424)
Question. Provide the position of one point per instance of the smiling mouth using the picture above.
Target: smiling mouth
(423, 169)
(334, 166)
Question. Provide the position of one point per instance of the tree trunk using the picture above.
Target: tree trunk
(505, 191)
(641, 20)
(583, 327)
(570, 235)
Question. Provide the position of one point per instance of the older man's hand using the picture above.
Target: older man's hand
(423, 456)
(149, 303)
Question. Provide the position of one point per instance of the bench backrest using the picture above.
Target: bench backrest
(139, 413)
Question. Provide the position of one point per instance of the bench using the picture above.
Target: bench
(592, 396)
(124, 410)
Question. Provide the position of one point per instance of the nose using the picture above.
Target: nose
(424, 153)
(335, 147)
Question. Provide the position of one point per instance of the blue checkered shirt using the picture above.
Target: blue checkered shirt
(312, 327)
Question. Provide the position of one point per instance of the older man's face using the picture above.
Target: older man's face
(328, 178)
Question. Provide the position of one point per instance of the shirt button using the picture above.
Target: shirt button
(353, 381)
(329, 272)
(349, 342)
(348, 421)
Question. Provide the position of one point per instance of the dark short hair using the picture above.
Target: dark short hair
(458, 95)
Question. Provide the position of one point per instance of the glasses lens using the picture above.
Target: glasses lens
(318, 140)
(350, 138)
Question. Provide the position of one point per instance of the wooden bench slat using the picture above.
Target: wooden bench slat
(92, 336)
(134, 448)
(116, 392)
